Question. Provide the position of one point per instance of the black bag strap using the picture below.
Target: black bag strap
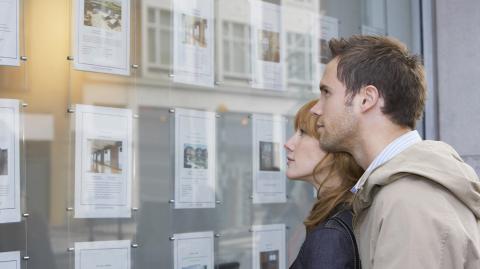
(357, 262)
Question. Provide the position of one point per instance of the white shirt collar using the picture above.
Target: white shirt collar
(393, 149)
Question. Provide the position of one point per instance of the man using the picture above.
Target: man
(417, 204)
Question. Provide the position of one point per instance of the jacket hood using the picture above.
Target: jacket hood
(433, 160)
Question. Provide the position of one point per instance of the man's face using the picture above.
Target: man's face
(337, 123)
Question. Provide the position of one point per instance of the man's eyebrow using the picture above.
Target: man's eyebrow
(324, 87)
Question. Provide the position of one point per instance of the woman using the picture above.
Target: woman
(330, 243)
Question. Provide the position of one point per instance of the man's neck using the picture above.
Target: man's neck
(373, 142)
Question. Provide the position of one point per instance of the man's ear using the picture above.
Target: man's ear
(370, 97)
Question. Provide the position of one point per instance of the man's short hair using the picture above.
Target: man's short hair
(385, 63)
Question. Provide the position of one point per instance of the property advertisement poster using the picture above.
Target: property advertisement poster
(102, 254)
(268, 52)
(101, 38)
(269, 180)
(9, 160)
(193, 250)
(193, 59)
(103, 157)
(268, 246)
(194, 158)
(9, 32)
(328, 29)
(10, 260)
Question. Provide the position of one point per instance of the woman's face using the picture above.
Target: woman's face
(303, 154)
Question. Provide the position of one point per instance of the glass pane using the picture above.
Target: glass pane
(226, 56)
(238, 30)
(152, 37)
(165, 47)
(239, 57)
(151, 15)
(165, 18)
(226, 28)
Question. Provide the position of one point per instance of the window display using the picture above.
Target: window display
(103, 254)
(103, 157)
(9, 161)
(370, 30)
(268, 50)
(188, 139)
(102, 36)
(193, 250)
(268, 246)
(193, 42)
(269, 184)
(9, 32)
(328, 29)
(10, 260)
(195, 156)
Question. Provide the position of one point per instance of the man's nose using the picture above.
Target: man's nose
(317, 108)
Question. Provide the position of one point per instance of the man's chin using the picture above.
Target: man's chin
(328, 146)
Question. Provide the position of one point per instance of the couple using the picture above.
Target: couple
(415, 203)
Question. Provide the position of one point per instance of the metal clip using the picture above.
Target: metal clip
(171, 201)
(70, 249)
(134, 245)
(69, 208)
(135, 66)
(26, 215)
(69, 58)
(171, 110)
(171, 238)
(70, 110)
(24, 58)
(26, 258)
(24, 105)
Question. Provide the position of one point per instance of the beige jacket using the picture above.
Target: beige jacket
(420, 210)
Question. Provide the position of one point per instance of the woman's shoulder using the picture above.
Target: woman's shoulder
(333, 227)
(329, 244)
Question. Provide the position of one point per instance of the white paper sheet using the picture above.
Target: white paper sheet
(193, 250)
(103, 254)
(9, 160)
(10, 260)
(194, 159)
(268, 52)
(101, 38)
(103, 157)
(328, 29)
(370, 30)
(9, 32)
(193, 42)
(268, 246)
(269, 180)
